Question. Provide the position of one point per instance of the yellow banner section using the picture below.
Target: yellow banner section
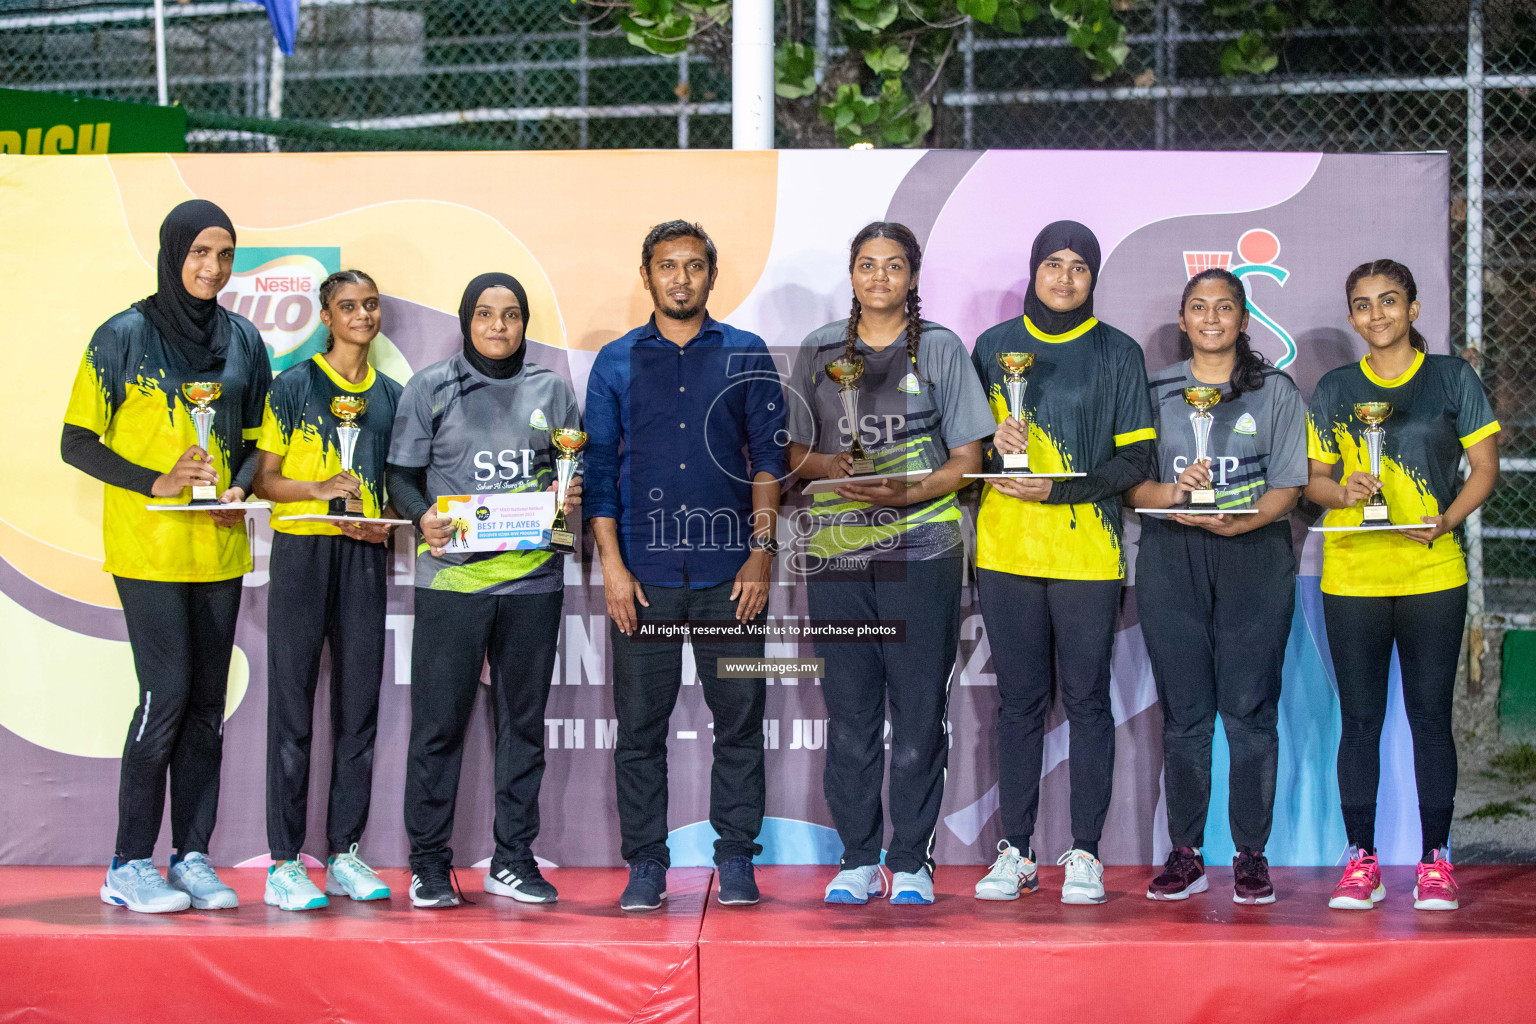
(79, 237)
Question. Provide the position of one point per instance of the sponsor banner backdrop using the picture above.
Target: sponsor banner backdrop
(569, 226)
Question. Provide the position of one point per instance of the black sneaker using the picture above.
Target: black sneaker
(434, 887)
(1250, 874)
(1183, 876)
(738, 885)
(522, 883)
(647, 886)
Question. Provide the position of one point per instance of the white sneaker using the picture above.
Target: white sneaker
(1085, 878)
(347, 875)
(912, 887)
(289, 888)
(1011, 873)
(856, 885)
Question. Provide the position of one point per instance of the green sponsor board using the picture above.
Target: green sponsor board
(47, 124)
(277, 288)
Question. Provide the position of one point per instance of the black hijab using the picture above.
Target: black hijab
(197, 330)
(1062, 234)
(496, 369)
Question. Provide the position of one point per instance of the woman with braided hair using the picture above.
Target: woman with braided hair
(889, 551)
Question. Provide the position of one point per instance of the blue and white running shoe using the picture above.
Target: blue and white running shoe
(137, 885)
(912, 887)
(856, 885)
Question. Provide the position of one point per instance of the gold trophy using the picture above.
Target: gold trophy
(347, 408)
(1202, 398)
(1372, 414)
(199, 394)
(1015, 365)
(845, 372)
(567, 442)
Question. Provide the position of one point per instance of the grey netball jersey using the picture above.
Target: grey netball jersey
(910, 416)
(1258, 438)
(476, 435)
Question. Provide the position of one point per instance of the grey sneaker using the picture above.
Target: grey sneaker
(137, 885)
(194, 876)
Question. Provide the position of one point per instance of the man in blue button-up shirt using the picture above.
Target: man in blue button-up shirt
(685, 425)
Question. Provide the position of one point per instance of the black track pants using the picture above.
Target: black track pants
(455, 635)
(182, 635)
(1216, 613)
(1027, 618)
(323, 589)
(1427, 630)
(912, 678)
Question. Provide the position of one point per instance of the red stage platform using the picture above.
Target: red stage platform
(65, 956)
(1131, 959)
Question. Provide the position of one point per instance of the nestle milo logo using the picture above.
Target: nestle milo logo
(278, 290)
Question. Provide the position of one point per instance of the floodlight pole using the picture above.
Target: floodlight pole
(1476, 595)
(275, 86)
(161, 84)
(752, 74)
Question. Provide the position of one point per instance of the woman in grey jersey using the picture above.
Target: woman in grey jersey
(1216, 591)
(479, 422)
(888, 551)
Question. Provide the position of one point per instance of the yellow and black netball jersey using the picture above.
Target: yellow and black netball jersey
(1438, 409)
(298, 425)
(1086, 396)
(128, 390)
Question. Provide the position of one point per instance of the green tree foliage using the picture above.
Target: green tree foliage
(883, 88)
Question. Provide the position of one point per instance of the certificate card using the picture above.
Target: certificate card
(498, 522)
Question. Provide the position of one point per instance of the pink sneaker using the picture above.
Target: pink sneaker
(1436, 889)
(1360, 888)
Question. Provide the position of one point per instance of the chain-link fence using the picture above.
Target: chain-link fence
(379, 74)
(1455, 75)
(1452, 76)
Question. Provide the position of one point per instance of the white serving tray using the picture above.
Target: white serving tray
(1197, 511)
(231, 506)
(318, 518)
(1022, 476)
(825, 486)
(1367, 529)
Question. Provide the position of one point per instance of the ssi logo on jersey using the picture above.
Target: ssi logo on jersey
(537, 420)
(908, 384)
(1245, 425)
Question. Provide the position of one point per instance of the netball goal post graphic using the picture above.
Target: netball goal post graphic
(1257, 249)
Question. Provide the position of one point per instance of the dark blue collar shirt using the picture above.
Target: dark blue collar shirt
(675, 435)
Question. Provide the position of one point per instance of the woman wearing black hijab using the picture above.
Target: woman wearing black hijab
(1049, 554)
(177, 573)
(476, 423)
